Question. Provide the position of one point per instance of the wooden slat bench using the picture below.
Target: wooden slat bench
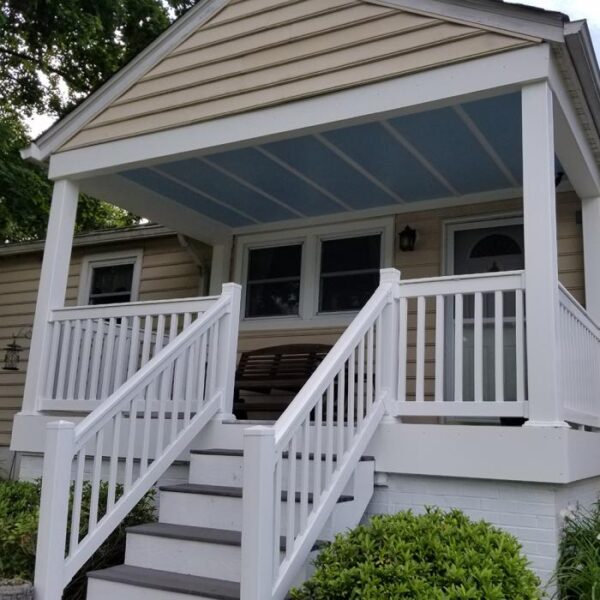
(267, 379)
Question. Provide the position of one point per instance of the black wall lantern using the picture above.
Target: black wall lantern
(12, 356)
(407, 239)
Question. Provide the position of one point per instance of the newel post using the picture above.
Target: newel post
(228, 344)
(52, 287)
(54, 507)
(541, 257)
(258, 521)
(389, 356)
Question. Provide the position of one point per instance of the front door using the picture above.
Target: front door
(486, 248)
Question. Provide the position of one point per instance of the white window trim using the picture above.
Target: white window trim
(107, 259)
(480, 222)
(310, 238)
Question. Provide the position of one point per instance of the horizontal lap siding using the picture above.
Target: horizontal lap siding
(167, 272)
(259, 53)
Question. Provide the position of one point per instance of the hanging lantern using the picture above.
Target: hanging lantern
(407, 239)
(12, 356)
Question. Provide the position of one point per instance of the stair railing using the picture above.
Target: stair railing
(332, 420)
(130, 438)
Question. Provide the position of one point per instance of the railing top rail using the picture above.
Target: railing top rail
(132, 309)
(303, 403)
(463, 284)
(576, 307)
(113, 403)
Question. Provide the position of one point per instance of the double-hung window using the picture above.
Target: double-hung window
(110, 278)
(313, 274)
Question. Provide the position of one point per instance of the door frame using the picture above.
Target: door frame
(450, 227)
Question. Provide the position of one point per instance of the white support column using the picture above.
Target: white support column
(52, 286)
(389, 379)
(590, 208)
(258, 510)
(228, 351)
(219, 267)
(541, 256)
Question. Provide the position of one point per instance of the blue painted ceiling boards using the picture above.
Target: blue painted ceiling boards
(468, 149)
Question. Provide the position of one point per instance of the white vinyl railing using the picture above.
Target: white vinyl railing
(131, 439)
(461, 346)
(333, 417)
(94, 349)
(579, 362)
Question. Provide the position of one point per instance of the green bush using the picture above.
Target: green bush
(578, 572)
(19, 512)
(435, 556)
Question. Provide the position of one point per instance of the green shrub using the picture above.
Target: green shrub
(578, 572)
(435, 556)
(19, 512)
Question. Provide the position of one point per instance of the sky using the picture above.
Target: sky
(576, 9)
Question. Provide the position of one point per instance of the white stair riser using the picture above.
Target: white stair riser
(203, 559)
(102, 590)
(228, 471)
(217, 561)
(200, 510)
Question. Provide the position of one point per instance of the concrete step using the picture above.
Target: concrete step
(126, 582)
(226, 467)
(188, 550)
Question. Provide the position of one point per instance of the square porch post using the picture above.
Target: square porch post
(591, 255)
(52, 286)
(541, 256)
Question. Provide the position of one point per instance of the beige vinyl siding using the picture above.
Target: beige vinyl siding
(167, 272)
(258, 53)
(426, 261)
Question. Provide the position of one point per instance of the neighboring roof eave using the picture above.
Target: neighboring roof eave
(581, 50)
(93, 238)
(65, 128)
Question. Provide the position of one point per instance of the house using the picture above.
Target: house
(416, 182)
(149, 261)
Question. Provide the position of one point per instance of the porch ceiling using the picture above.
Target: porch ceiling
(448, 152)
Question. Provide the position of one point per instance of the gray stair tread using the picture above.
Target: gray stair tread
(240, 453)
(228, 492)
(170, 582)
(198, 534)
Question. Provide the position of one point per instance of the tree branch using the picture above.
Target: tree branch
(42, 66)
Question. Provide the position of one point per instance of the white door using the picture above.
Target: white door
(486, 249)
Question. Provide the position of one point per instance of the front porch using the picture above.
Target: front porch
(302, 205)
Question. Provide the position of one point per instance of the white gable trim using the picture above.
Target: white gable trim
(119, 83)
(506, 18)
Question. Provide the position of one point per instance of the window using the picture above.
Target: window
(110, 278)
(349, 272)
(273, 283)
(321, 275)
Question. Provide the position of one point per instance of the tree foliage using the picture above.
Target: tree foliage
(53, 53)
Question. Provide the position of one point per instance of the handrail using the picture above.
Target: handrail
(301, 405)
(569, 301)
(132, 309)
(191, 378)
(171, 352)
(332, 419)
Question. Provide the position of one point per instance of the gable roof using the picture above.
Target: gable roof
(190, 47)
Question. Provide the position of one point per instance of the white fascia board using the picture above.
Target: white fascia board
(146, 203)
(572, 141)
(66, 128)
(93, 238)
(469, 80)
(508, 18)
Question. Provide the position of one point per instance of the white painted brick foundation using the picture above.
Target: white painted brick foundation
(530, 511)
